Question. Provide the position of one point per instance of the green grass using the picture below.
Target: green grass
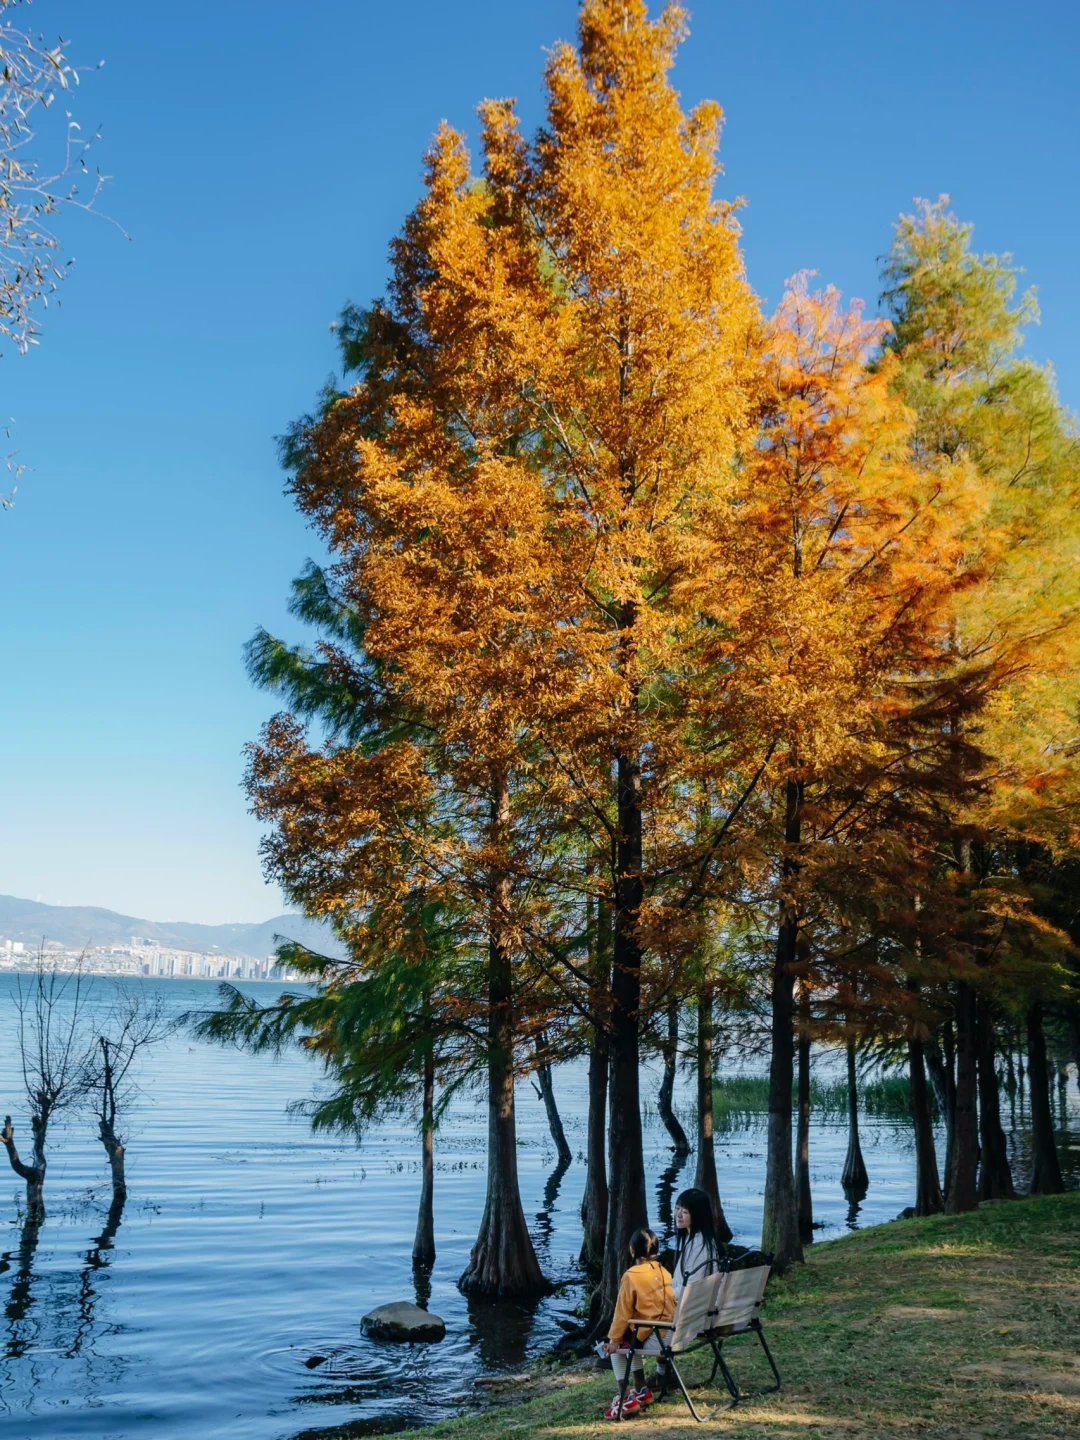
(739, 1098)
(953, 1328)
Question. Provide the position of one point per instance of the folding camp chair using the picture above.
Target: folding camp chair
(710, 1311)
(738, 1302)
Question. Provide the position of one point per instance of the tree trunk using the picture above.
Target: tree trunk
(115, 1151)
(423, 1250)
(1010, 1078)
(780, 1224)
(547, 1094)
(855, 1180)
(1072, 1023)
(928, 1196)
(503, 1262)
(1045, 1169)
(705, 1175)
(670, 1052)
(963, 1173)
(627, 1205)
(948, 1042)
(943, 1090)
(34, 1173)
(594, 1202)
(111, 1141)
(802, 1143)
(995, 1177)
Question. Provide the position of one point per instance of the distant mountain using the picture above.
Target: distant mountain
(77, 925)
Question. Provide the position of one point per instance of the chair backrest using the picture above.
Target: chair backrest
(696, 1303)
(739, 1298)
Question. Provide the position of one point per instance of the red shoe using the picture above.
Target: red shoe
(630, 1406)
(644, 1396)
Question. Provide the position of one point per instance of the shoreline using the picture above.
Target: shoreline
(949, 1328)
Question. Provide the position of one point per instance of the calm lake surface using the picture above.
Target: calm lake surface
(249, 1247)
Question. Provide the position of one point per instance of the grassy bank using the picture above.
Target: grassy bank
(955, 1328)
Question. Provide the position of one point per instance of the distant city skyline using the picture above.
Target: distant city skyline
(151, 535)
(143, 961)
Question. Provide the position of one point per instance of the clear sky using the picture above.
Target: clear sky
(264, 154)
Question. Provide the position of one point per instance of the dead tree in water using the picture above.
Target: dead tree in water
(54, 1050)
(136, 1022)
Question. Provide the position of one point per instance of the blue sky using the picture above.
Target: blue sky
(264, 155)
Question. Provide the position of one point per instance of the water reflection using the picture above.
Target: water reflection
(855, 1195)
(544, 1229)
(98, 1259)
(21, 1295)
(421, 1274)
(665, 1195)
(500, 1330)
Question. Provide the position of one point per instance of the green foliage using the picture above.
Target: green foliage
(372, 1026)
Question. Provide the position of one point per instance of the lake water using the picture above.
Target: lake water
(249, 1247)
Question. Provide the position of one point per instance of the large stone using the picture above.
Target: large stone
(402, 1321)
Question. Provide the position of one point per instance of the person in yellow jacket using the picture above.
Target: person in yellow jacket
(644, 1294)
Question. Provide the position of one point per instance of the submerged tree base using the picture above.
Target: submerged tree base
(503, 1264)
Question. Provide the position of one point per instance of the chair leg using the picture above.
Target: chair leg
(729, 1379)
(666, 1386)
(708, 1414)
(768, 1356)
(717, 1363)
(625, 1383)
(623, 1386)
(734, 1387)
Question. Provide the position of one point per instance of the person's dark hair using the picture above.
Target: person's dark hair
(699, 1206)
(644, 1244)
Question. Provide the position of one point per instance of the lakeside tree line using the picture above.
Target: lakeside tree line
(677, 663)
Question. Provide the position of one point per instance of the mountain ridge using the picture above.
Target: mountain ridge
(75, 926)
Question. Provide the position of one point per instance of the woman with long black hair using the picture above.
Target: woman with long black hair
(698, 1253)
